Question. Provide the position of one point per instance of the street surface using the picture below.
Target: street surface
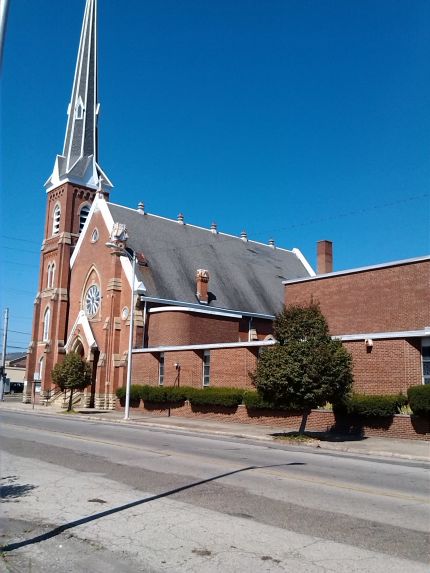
(137, 499)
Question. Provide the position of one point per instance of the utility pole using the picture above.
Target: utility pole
(3, 360)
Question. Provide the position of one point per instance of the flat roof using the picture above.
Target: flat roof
(358, 270)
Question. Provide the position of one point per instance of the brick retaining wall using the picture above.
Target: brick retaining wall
(400, 426)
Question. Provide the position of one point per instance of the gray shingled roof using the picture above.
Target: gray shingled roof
(244, 276)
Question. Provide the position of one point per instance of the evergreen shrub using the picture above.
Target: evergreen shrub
(255, 400)
(215, 396)
(419, 399)
(372, 405)
(163, 394)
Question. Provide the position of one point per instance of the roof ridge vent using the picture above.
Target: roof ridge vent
(244, 236)
(214, 228)
(181, 219)
(272, 243)
(141, 208)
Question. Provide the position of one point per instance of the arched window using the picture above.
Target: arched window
(83, 214)
(40, 369)
(46, 321)
(56, 220)
(48, 282)
(52, 275)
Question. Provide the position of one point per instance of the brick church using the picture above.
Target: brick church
(202, 301)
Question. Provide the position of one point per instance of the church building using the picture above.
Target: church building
(202, 301)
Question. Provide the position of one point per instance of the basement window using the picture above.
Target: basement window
(206, 368)
(425, 353)
(161, 369)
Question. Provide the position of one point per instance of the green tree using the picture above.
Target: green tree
(73, 373)
(306, 368)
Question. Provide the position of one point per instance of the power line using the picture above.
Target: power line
(9, 238)
(19, 250)
(16, 331)
(21, 264)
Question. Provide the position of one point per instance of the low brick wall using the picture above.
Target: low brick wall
(399, 426)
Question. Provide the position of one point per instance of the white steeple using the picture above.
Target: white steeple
(79, 160)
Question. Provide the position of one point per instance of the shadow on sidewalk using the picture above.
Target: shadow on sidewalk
(60, 529)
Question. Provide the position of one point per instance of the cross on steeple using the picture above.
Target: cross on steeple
(79, 160)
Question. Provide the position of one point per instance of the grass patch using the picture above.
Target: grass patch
(296, 438)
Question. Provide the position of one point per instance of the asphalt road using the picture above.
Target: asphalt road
(261, 507)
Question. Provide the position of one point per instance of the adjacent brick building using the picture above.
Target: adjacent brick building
(382, 315)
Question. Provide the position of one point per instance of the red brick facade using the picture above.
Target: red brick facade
(228, 367)
(380, 304)
(391, 299)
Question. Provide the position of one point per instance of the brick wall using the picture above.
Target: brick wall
(229, 367)
(182, 328)
(389, 367)
(387, 299)
(399, 426)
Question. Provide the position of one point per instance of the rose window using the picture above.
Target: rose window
(92, 301)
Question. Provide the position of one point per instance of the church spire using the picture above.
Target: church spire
(79, 160)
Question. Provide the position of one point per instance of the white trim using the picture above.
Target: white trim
(189, 309)
(212, 310)
(82, 234)
(214, 346)
(304, 261)
(100, 204)
(88, 332)
(379, 335)
(359, 270)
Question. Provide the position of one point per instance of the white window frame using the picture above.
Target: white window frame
(51, 275)
(46, 324)
(425, 360)
(56, 218)
(161, 365)
(40, 368)
(85, 207)
(206, 368)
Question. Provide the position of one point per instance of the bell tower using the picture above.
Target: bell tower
(70, 189)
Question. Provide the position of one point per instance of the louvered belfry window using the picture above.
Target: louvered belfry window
(56, 220)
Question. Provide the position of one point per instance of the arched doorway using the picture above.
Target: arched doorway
(78, 347)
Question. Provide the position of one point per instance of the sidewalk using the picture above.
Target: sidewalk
(417, 450)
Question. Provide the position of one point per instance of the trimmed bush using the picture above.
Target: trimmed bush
(134, 393)
(163, 394)
(372, 406)
(215, 396)
(255, 400)
(419, 399)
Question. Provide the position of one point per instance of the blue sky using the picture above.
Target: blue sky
(299, 120)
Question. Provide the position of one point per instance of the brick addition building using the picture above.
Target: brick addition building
(204, 301)
(382, 315)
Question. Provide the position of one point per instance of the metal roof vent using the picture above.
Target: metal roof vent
(272, 243)
(181, 219)
(244, 236)
(141, 208)
(214, 228)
